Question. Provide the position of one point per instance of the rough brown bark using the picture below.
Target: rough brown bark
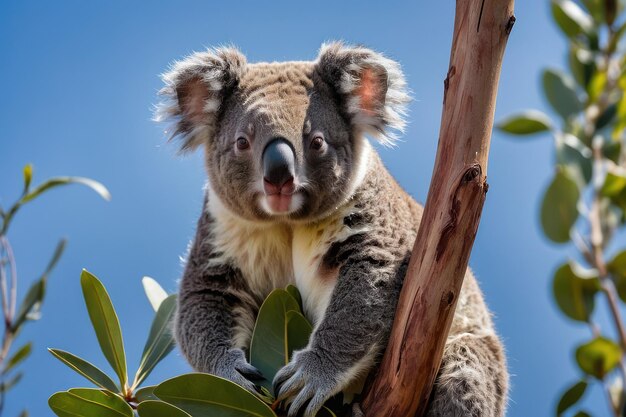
(457, 191)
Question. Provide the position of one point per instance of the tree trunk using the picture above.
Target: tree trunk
(446, 234)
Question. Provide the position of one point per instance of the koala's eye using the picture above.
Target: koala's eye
(242, 143)
(317, 143)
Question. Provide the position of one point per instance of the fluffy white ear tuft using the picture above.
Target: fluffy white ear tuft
(371, 87)
(194, 91)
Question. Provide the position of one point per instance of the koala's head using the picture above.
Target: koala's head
(284, 141)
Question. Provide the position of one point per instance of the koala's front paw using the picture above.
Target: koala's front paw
(234, 367)
(308, 377)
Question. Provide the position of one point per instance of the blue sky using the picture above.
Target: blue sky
(79, 80)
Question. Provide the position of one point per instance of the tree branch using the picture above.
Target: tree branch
(451, 215)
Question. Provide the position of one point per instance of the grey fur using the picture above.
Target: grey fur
(345, 240)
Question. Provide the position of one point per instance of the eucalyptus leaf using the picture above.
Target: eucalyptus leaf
(68, 404)
(571, 18)
(295, 293)
(30, 306)
(617, 269)
(60, 181)
(105, 323)
(571, 396)
(573, 155)
(146, 394)
(86, 369)
(298, 332)
(606, 117)
(105, 398)
(21, 354)
(30, 303)
(612, 150)
(559, 209)
(204, 395)
(160, 340)
(155, 293)
(575, 291)
(598, 357)
(614, 183)
(582, 64)
(153, 408)
(269, 349)
(6, 385)
(560, 90)
(526, 123)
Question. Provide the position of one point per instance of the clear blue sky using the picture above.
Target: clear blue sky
(78, 83)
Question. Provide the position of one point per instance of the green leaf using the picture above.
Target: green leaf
(582, 414)
(617, 269)
(612, 149)
(85, 369)
(207, 395)
(575, 290)
(607, 116)
(59, 181)
(614, 183)
(269, 349)
(298, 332)
(21, 354)
(571, 18)
(28, 177)
(106, 398)
(31, 305)
(159, 409)
(559, 207)
(105, 323)
(146, 394)
(72, 404)
(58, 252)
(582, 65)
(598, 357)
(525, 123)
(160, 340)
(11, 382)
(572, 154)
(293, 291)
(571, 396)
(596, 9)
(596, 86)
(155, 293)
(560, 90)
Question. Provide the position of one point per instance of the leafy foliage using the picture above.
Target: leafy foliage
(280, 329)
(585, 202)
(30, 308)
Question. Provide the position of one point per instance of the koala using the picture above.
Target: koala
(296, 194)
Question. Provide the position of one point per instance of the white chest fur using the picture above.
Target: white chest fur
(274, 255)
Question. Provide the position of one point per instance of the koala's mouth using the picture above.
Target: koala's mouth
(281, 200)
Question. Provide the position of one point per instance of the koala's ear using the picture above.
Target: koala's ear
(371, 88)
(195, 89)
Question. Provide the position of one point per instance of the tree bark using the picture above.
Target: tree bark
(451, 216)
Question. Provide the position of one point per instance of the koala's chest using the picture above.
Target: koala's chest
(272, 257)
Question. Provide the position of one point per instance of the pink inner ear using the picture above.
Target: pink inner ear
(193, 96)
(369, 91)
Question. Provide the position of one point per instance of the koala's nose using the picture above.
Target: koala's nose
(278, 167)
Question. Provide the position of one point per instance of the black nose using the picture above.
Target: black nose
(278, 162)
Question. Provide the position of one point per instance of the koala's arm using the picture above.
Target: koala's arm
(211, 302)
(353, 331)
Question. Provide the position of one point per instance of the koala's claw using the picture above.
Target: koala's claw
(234, 367)
(249, 371)
(303, 380)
